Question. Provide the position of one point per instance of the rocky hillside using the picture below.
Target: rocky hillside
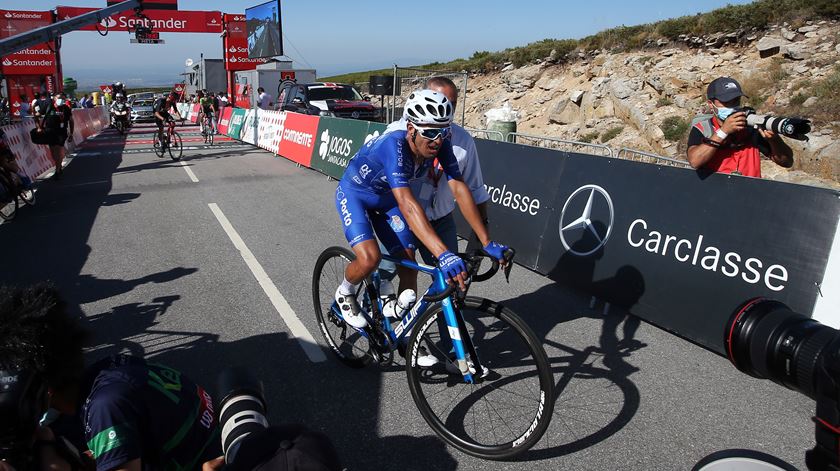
(645, 99)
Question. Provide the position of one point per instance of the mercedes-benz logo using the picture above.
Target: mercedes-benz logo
(597, 197)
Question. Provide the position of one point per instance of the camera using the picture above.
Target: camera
(250, 443)
(794, 128)
(766, 339)
(23, 398)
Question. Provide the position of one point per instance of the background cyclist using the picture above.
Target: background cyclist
(374, 196)
(161, 108)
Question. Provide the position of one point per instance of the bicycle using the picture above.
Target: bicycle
(15, 191)
(171, 142)
(485, 353)
(207, 128)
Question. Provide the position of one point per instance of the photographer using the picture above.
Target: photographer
(132, 414)
(725, 143)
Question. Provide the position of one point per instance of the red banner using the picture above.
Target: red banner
(224, 120)
(298, 140)
(153, 4)
(236, 45)
(241, 100)
(35, 60)
(161, 21)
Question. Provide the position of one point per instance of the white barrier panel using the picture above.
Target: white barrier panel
(270, 130)
(248, 127)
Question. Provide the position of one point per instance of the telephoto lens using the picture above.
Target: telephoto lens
(795, 128)
(765, 339)
(242, 410)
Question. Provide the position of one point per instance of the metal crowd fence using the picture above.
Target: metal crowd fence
(578, 146)
(641, 156)
(406, 80)
(561, 144)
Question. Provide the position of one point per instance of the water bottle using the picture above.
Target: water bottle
(405, 302)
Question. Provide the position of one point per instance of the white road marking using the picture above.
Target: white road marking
(307, 342)
(189, 171)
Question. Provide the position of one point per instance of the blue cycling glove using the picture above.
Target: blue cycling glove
(451, 265)
(496, 250)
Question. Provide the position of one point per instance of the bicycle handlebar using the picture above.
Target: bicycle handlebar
(473, 260)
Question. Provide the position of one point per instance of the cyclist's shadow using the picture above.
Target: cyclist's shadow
(582, 417)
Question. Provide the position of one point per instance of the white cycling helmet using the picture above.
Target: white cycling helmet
(428, 107)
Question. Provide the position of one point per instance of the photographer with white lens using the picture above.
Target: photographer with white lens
(723, 142)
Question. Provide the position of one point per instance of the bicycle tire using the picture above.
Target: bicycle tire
(158, 147)
(353, 349)
(511, 337)
(176, 146)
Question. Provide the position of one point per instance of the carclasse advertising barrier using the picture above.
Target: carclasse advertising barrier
(34, 160)
(675, 247)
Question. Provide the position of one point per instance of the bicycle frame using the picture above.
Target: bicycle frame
(456, 331)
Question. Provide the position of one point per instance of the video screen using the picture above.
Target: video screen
(262, 23)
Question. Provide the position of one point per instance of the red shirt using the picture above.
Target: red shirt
(740, 152)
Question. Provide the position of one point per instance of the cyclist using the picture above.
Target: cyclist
(161, 108)
(206, 114)
(374, 195)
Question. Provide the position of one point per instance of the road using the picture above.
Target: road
(266, 41)
(152, 255)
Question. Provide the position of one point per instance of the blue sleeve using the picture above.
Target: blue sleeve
(449, 162)
(397, 165)
(111, 427)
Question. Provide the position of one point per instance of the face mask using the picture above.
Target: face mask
(724, 112)
(59, 102)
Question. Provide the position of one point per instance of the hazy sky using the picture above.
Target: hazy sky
(336, 37)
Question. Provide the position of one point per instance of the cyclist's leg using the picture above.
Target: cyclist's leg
(392, 229)
(359, 233)
(159, 123)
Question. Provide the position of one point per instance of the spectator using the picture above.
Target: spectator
(25, 107)
(57, 122)
(130, 414)
(723, 142)
(223, 100)
(33, 109)
(89, 103)
(264, 100)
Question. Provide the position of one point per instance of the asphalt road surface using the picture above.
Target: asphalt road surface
(152, 254)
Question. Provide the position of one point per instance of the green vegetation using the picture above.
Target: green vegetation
(611, 133)
(827, 107)
(758, 14)
(589, 137)
(674, 128)
(664, 101)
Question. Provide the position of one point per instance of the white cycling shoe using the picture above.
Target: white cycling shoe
(350, 310)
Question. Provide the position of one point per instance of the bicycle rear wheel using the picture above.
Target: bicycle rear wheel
(504, 412)
(175, 146)
(351, 347)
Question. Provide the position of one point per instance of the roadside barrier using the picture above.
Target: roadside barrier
(34, 160)
(678, 248)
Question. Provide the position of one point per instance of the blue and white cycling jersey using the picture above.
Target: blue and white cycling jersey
(386, 163)
(364, 200)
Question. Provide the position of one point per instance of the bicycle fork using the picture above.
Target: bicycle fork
(462, 343)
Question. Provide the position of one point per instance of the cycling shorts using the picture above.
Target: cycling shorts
(366, 216)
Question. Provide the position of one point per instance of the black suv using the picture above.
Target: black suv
(328, 99)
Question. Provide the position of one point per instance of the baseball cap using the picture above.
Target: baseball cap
(286, 448)
(724, 89)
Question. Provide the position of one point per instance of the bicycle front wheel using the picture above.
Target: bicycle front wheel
(351, 347)
(175, 146)
(502, 413)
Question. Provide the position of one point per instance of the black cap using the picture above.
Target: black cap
(724, 89)
(286, 448)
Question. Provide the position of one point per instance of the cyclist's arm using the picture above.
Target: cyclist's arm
(464, 198)
(417, 221)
